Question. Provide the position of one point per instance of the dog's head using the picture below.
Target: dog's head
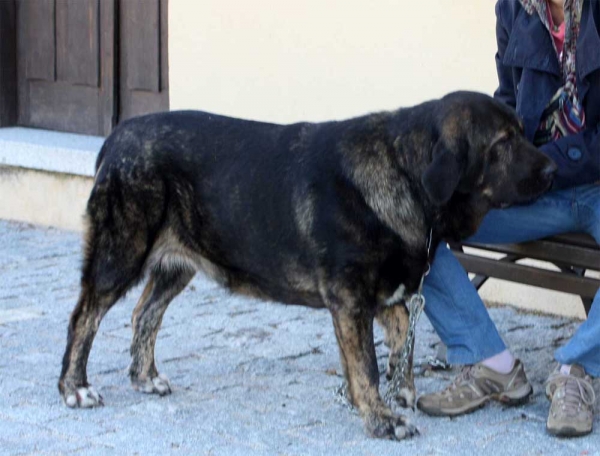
(482, 160)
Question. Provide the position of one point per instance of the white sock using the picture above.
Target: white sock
(565, 369)
(503, 362)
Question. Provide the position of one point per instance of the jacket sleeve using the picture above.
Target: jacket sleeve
(506, 86)
(577, 157)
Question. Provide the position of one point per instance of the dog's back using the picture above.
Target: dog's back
(228, 190)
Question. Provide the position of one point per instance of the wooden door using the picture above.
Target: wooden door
(143, 78)
(65, 60)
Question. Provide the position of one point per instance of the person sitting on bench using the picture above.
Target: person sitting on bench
(558, 100)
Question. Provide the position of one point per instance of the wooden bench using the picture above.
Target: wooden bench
(573, 254)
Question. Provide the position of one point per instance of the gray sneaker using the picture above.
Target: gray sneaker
(572, 409)
(474, 387)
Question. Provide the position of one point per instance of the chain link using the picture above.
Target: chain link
(342, 396)
(415, 308)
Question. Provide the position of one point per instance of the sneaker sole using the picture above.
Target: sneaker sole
(568, 432)
(455, 412)
(511, 398)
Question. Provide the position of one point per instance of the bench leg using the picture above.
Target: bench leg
(587, 305)
(587, 302)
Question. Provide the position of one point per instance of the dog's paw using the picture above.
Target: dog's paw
(84, 397)
(389, 426)
(156, 385)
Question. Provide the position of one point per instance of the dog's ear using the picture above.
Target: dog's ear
(443, 174)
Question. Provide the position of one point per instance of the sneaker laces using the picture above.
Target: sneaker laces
(576, 390)
(464, 376)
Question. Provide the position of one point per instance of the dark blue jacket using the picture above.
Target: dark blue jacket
(529, 76)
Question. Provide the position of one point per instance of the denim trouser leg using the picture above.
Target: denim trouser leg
(584, 347)
(454, 307)
(457, 313)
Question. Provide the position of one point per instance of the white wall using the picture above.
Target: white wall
(290, 60)
(45, 198)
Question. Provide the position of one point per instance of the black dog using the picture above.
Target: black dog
(333, 215)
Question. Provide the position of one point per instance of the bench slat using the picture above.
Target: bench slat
(548, 251)
(584, 286)
(577, 239)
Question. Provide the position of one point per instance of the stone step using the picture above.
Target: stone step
(46, 176)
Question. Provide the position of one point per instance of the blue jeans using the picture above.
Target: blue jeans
(457, 312)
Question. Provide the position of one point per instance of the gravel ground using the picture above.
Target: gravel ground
(249, 377)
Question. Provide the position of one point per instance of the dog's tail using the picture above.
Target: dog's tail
(125, 212)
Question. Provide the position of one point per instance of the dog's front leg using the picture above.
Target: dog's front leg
(394, 320)
(354, 332)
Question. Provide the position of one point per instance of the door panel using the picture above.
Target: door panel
(141, 44)
(40, 39)
(78, 42)
(143, 58)
(59, 107)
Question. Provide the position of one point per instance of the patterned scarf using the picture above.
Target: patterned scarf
(564, 114)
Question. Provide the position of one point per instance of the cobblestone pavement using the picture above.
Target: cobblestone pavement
(249, 377)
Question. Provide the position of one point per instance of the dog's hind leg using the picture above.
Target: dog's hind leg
(394, 320)
(96, 298)
(118, 239)
(163, 286)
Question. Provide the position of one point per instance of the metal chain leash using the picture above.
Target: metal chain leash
(415, 306)
(342, 396)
